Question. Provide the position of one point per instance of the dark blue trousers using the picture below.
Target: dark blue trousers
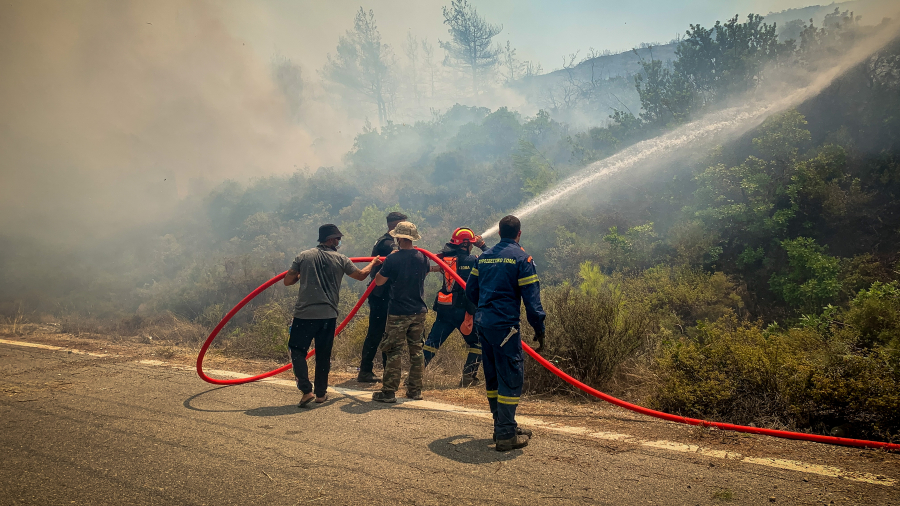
(504, 373)
(446, 322)
(378, 313)
(303, 333)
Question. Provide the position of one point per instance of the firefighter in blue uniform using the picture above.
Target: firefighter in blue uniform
(503, 276)
(453, 309)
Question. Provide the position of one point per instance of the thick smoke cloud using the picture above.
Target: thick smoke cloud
(112, 110)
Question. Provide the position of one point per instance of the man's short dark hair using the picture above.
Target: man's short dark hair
(396, 216)
(509, 227)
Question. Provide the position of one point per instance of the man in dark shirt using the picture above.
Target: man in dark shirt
(378, 304)
(406, 268)
(319, 271)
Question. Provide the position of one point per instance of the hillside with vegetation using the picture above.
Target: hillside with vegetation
(758, 283)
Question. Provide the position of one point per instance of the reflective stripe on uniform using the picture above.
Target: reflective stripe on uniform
(502, 399)
(529, 280)
(432, 349)
(474, 272)
(476, 351)
(448, 277)
(492, 394)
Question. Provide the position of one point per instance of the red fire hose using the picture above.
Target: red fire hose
(242, 303)
(544, 362)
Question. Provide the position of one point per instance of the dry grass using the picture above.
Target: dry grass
(18, 319)
(348, 345)
(171, 328)
(162, 328)
(445, 369)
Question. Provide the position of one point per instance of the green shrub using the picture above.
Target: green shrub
(861, 389)
(633, 250)
(875, 315)
(689, 295)
(860, 272)
(590, 333)
(611, 320)
(736, 371)
(811, 280)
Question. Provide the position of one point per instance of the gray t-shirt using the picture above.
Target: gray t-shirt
(321, 272)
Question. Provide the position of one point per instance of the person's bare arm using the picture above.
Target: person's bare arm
(380, 279)
(291, 277)
(435, 268)
(363, 273)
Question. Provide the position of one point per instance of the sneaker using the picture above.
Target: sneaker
(519, 432)
(384, 397)
(415, 395)
(517, 441)
(367, 377)
(469, 381)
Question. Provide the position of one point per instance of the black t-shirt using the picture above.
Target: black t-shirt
(406, 268)
(384, 246)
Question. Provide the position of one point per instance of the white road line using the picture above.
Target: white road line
(790, 465)
(55, 348)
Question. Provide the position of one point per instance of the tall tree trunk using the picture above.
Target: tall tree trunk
(382, 113)
(474, 73)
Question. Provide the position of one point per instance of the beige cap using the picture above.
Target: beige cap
(405, 230)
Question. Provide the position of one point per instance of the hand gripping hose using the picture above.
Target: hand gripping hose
(555, 370)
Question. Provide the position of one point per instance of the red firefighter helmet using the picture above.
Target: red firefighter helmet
(461, 235)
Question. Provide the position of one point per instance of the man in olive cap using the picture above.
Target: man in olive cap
(406, 269)
(378, 304)
(319, 271)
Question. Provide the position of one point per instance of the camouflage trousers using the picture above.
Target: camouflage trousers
(400, 330)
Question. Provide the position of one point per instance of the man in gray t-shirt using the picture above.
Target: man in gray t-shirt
(319, 271)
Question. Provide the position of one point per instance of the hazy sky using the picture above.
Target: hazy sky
(540, 30)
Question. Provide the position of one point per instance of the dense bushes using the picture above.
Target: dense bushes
(592, 333)
(683, 339)
(734, 370)
(840, 368)
(613, 321)
(874, 317)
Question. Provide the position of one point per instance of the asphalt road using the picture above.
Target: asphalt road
(78, 429)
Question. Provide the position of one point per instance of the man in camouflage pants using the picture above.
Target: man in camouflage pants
(406, 268)
(409, 330)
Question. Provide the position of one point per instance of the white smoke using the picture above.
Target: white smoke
(717, 127)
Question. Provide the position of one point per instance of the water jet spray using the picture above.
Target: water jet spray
(714, 127)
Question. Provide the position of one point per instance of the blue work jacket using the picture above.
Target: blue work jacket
(503, 276)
